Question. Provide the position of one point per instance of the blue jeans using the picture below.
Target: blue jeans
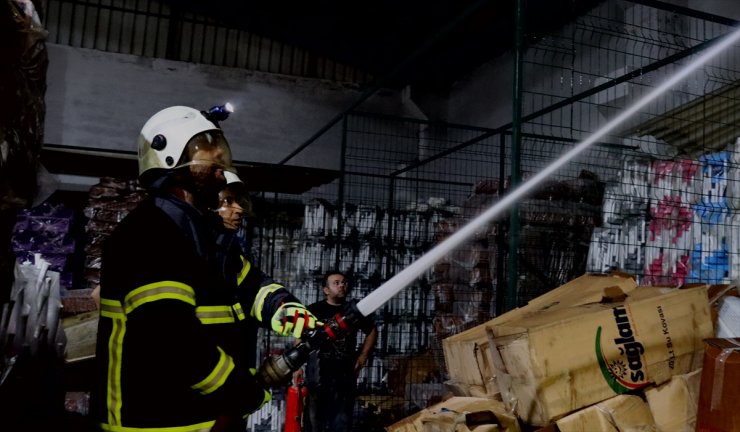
(330, 406)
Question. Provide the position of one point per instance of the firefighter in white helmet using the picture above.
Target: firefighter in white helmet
(171, 348)
(253, 286)
(233, 202)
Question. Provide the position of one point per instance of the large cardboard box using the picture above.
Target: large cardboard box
(623, 413)
(460, 414)
(719, 394)
(81, 331)
(674, 403)
(467, 354)
(554, 362)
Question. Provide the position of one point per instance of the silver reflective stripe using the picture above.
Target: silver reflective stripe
(200, 427)
(111, 309)
(259, 300)
(218, 375)
(246, 266)
(215, 314)
(165, 290)
(239, 311)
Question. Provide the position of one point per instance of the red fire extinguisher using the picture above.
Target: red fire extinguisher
(294, 405)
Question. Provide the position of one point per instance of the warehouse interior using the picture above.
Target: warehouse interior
(368, 134)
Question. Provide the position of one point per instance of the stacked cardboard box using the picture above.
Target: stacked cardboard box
(460, 414)
(468, 356)
(719, 392)
(596, 351)
(620, 413)
(674, 403)
(557, 361)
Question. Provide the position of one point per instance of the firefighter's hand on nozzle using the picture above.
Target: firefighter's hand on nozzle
(294, 319)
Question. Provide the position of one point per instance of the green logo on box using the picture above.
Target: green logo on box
(625, 373)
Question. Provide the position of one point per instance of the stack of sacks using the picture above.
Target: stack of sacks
(620, 242)
(692, 227)
(109, 202)
(673, 189)
(46, 230)
(710, 257)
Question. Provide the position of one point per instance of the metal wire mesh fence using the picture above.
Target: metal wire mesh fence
(396, 199)
(656, 197)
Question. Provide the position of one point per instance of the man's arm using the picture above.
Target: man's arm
(367, 348)
(271, 304)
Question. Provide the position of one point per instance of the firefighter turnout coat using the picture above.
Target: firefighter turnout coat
(178, 307)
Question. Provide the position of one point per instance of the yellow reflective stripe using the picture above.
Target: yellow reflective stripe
(200, 427)
(218, 375)
(214, 314)
(169, 290)
(259, 300)
(239, 311)
(115, 351)
(111, 309)
(246, 266)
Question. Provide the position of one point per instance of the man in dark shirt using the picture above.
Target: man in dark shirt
(331, 373)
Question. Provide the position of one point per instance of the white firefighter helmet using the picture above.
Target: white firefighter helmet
(232, 178)
(235, 192)
(165, 136)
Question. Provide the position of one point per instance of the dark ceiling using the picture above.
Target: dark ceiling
(438, 41)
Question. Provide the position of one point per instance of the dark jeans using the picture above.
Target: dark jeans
(329, 407)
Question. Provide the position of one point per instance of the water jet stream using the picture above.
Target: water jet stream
(392, 286)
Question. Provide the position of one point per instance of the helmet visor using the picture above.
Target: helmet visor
(208, 148)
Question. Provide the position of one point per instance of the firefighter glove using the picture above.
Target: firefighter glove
(293, 319)
(267, 395)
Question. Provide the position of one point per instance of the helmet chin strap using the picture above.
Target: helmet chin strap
(180, 183)
(157, 184)
(199, 198)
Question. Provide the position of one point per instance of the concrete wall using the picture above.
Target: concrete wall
(484, 97)
(101, 100)
(725, 8)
